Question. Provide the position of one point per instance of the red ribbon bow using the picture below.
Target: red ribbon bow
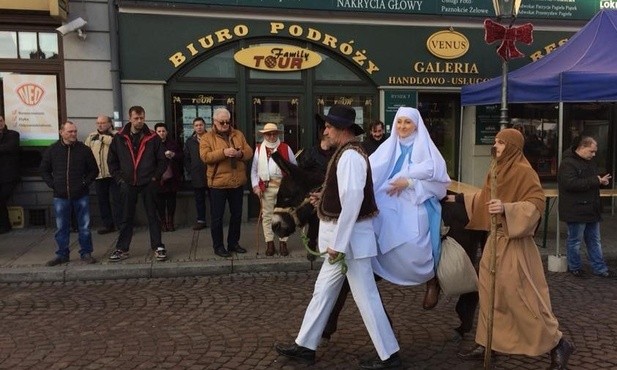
(508, 36)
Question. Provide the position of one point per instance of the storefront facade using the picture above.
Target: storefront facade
(374, 66)
(283, 62)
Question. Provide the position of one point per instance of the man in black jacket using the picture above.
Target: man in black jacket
(68, 168)
(9, 168)
(196, 169)
(375, 138)
(580, 207)
(137, 161)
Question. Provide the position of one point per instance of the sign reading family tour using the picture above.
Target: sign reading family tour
(277, 58)
(31, 107)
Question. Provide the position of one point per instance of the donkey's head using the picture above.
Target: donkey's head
(292, 208)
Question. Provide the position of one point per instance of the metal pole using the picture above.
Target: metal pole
(503, 119)
(114, 44)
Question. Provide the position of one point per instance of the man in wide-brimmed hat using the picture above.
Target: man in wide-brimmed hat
(345, 208)
(266, 178)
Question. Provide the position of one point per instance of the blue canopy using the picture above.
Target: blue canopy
(584, 69)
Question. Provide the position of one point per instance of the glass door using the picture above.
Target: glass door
(441, 114)
(282, 110)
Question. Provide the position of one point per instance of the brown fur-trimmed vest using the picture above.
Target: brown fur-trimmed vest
(329, 207)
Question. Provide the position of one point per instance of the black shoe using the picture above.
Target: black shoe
(476, 354)
(57, 261)
(561, 354)
(607, 274)
(297, 352)
(237, 249)
(578, 273)
(88, 259)
(106, 230)
(221, 252)
(393, 362)
(200, 225)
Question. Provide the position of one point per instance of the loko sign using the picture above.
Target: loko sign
(277, 58)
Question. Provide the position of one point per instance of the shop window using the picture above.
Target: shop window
(440, 113)
(8, 44)
(221, 65)
(282, 110)
(265, 75)
(593, 119)
(186, 107)
(331, 70)
(538, 124)
(48, 44)
(28, 45)
(363, 105)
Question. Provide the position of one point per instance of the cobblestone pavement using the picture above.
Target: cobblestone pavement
(233, 321)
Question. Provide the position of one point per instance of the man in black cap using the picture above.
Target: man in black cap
(345, 208)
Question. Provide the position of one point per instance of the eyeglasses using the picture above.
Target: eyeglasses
(273, 133)
(223, 123)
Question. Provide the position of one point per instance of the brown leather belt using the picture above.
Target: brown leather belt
(273, 182)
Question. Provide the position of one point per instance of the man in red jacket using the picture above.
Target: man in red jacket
(137, 161)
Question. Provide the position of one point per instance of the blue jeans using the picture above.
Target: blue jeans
(218, 198)
(591, 232)
(62, 208)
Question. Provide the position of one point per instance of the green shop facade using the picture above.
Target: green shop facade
(286, 66)
(373, 68)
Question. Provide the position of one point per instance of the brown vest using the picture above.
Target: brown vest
(329, 207)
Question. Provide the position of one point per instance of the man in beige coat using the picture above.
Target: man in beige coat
(106, 187)
(225, 152)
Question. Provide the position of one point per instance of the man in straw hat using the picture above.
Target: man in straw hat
(345, 208)
(266, 178)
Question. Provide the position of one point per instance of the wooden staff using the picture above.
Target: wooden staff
(493, 262)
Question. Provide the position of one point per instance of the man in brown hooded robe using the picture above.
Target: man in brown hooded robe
(523, 321)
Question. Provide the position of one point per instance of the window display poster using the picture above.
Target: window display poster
(189, 112)
(393, 100)
(487, 124)
(31, 107)
(205, 112)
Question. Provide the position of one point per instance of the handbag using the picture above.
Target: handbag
(455, 271)
(168, 174)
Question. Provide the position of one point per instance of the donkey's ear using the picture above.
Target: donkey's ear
(284, 165)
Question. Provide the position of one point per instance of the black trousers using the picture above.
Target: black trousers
(129, 196)
(6, 190)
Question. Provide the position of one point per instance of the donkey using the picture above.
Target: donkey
(293, 211)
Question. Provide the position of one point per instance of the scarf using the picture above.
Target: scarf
(517, 181)
(263, 169)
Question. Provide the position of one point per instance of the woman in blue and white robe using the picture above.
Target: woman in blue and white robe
(409, 178)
